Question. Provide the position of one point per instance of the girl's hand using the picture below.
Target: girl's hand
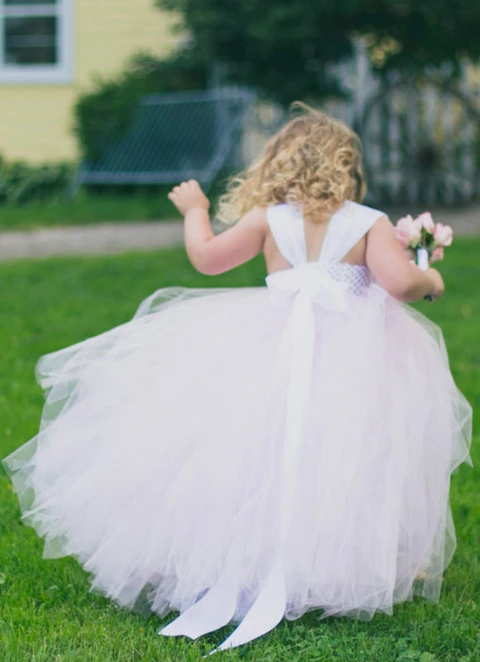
(188, 196)
(438, 286)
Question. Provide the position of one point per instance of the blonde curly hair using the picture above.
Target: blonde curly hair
(314, 163)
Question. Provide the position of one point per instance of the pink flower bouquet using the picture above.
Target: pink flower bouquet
(423, 238)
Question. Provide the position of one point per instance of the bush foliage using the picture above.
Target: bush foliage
(103, 114)
(21, 183)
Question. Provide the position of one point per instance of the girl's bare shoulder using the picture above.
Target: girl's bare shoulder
(256, 217)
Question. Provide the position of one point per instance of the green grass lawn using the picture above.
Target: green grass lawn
(88, 208)
(46, 611)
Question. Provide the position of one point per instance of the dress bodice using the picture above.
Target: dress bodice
(357, 278)
(345, 228)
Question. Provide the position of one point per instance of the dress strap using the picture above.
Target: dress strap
(286, 226)
(346, 227)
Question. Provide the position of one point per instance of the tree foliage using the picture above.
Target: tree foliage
(284, 47)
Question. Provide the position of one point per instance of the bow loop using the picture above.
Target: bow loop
(313, 280)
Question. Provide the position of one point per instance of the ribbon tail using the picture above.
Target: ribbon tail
(217, 607)
(298, 398)
(266, 612)
(269, 607)
(214, 610)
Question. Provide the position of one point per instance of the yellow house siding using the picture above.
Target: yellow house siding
(35, 123)
(36, 120)
(108, 31)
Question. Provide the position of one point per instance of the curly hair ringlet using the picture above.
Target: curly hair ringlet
(313, 163)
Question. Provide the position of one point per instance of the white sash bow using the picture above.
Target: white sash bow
(311, 279)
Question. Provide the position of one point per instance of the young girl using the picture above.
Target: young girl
(248, 454)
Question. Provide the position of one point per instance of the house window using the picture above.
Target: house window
(35, 41)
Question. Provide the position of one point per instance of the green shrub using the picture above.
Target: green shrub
(103, 115)
(21, 182)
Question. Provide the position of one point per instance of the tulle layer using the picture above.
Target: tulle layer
(159, 460)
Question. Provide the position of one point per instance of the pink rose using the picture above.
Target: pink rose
(402, 232)
(408, 232)
(426, 222)
(437, 254)
(443, 235)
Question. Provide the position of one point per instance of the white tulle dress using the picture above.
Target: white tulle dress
(245, 455)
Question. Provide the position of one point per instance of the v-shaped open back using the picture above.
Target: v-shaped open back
(345, 229)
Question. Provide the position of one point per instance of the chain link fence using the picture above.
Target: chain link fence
(173, 137)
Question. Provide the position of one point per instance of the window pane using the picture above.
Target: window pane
(28, 2)
(30, 40)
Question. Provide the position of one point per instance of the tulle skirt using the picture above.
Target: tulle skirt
(159, 460)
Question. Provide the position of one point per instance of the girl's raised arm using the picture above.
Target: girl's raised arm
(212, 254)
(392, 269)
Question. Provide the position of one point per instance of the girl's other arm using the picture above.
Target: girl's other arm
(393, 271)
(212, 254)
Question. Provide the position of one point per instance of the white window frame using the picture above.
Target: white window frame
(59, 73)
